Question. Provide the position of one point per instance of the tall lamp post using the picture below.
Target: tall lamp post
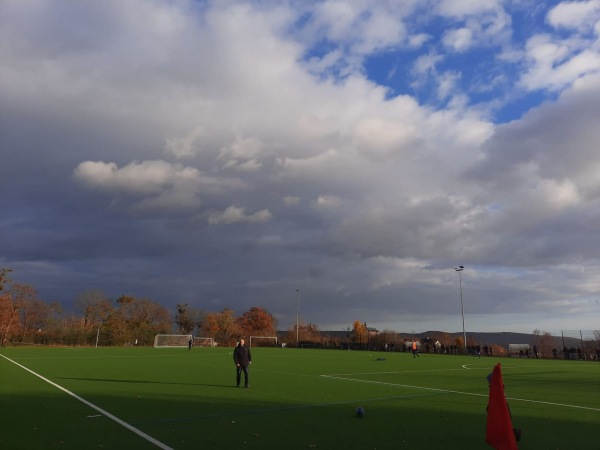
(297, 312)
(459, 269)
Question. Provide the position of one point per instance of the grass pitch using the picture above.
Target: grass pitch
(146, 398)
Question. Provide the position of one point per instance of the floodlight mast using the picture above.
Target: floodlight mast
(459, 269)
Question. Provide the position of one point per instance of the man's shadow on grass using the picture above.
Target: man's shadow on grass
(110, 380)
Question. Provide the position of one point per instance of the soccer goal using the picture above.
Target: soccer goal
(272, 339)
(172, 340)
(204, 342)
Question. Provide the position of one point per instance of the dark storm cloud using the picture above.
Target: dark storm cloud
(188, 153)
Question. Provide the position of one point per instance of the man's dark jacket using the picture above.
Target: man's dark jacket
(242, 356)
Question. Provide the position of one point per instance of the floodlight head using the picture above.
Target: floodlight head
(459, 268)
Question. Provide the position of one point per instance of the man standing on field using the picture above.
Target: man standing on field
(242, 359)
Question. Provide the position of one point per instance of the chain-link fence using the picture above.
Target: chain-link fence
(580, 344)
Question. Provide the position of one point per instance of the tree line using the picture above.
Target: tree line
(128, 320)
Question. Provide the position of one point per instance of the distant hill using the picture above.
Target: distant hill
(499, 338)
(505, 338)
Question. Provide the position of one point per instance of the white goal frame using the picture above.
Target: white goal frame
(263, 337)
(204, 342)
(172, 340)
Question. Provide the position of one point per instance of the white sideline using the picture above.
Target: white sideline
(588, 408)
(97, 408)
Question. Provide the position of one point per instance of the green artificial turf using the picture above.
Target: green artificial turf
(298, 399)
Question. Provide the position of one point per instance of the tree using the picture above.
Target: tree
(386, 337)
(359, 333)
(9, 307)
(95, 307)
(13, 302)
(4, 280)
(34, 318)
(445, 339)
(459, 343)
(137, 319)
(307, 332)
(544, 342)
(257, 322)
(222, 327)
(182, 319)
(54, 321)
(147, 319)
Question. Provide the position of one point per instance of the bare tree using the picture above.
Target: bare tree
(183, 320)
(95, 307)
(543, 342)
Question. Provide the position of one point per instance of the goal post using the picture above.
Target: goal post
(172, 340)
(273, 339)
(204, 342)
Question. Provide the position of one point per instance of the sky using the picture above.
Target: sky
(331, 160)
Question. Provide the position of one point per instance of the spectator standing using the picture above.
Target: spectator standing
(242, 358)
(415, 350)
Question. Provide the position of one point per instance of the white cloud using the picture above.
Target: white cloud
(234, 214)
(153, 185)
(146, 177)
(466, 8)
(556, 65)
(360, 25)
(328, 201)
(426, 64)
(243, 154)
(185, 146)
(418, 40)
(485, 23)
(291, 200)
(447, 84)
(459, 40)
(378, 138)
(575, 14)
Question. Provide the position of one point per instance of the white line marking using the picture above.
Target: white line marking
(402, 371)
(461, 393)
(97, 408)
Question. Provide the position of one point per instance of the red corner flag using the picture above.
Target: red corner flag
(500, 434)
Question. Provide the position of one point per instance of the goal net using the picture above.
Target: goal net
(204, 342)
(263, 341)
(172, 340)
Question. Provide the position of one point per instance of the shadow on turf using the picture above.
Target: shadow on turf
(109, 380)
